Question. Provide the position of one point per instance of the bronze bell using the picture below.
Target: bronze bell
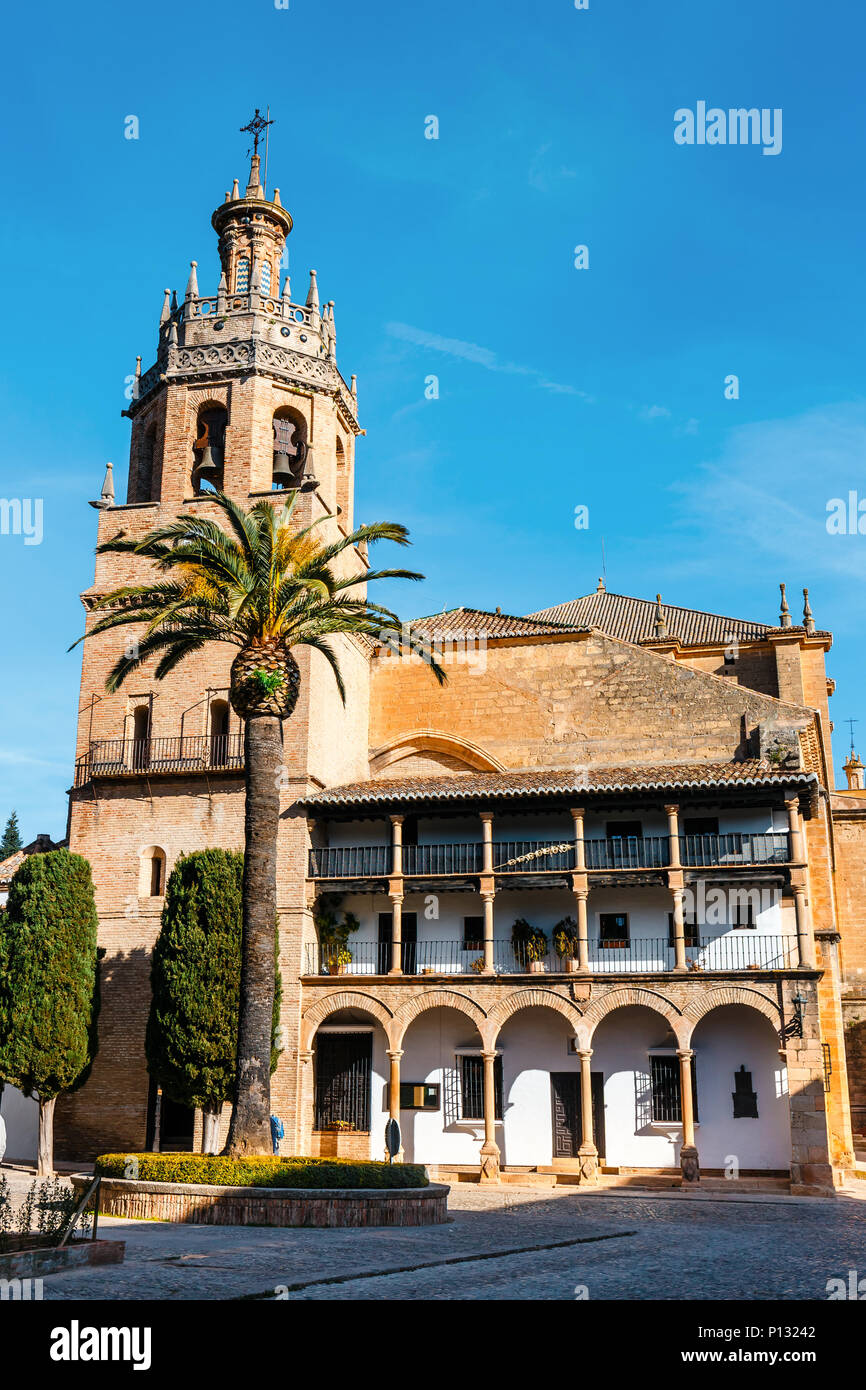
(282, 469)
(208, 469)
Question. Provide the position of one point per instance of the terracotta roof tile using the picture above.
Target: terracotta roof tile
(559, 782)
(633, 620)
(476, 622)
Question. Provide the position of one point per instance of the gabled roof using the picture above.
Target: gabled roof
(476, 622)
(466, 786)
(633, 620)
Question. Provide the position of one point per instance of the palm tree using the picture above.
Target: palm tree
(265, 589)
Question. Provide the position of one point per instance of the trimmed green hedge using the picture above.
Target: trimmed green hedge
(261, 1171)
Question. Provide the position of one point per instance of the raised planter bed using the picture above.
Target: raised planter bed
(209, 1205)
(31, 1257)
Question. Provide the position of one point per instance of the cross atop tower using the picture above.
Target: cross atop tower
(256, 128)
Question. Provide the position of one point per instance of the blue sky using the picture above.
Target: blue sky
(557, 387)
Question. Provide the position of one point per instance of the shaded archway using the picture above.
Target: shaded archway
(442, 1078)
(623, 998)
(741, 1084)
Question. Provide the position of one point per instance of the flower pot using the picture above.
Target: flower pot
(536, 967)
(572, 965)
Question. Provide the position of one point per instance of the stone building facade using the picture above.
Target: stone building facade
(595, 877)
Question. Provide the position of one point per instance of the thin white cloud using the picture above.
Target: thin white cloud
(14, 757)
(767, 494)
(479, 356)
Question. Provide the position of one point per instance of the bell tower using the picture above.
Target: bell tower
(245, 394)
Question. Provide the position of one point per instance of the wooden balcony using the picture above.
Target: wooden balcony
(151, 757)
(514, 857)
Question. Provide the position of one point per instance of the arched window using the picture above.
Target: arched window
(151, 872)
(219, 733)
(266, 277)
(290, 448)
(209, 449)
(343, 498)
(242, 275)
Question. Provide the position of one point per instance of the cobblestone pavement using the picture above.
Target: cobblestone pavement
(503, 1244)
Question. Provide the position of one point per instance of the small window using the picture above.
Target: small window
(242, 278)
(744, 1097)
(415, 1095)
(701, 825)
(410, 830)
(473, 933)
(690, 929)
(742, 913)
(624, 829)
(667, 1101)
(613, 930)
(472, 1088)
(151, 872)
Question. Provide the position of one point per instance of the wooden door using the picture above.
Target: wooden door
(567, 1113)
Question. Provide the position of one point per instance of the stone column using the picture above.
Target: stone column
(396, 901)
(490, 1148)
(577, 815)
(689, 1164)
(679, 929)
(795, 829)
(582, 894)
(394, 1095)
(489, 964)
(588, 1152)
(805, 936)
(395, 895)
(397, 846)
(487, 842)
(673, 815)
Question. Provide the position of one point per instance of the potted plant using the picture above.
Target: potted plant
(334, 933)
(565, 943)
(529, 945)
(477, 965)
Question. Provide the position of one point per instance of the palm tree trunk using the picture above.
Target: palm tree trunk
(45, 1159)
(250, 1131)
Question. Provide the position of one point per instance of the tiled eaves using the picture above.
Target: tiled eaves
(564, 782)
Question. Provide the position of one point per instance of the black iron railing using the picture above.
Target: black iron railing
(442, 859)
(532, 856)
(129, 757)
(627, 853)
(702, 850)
(550, 856)
(350, 861)
(729, 952)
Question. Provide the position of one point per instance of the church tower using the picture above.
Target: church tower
(244, 396)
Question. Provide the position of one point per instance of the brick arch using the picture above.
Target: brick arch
(538, 998)
(334, 1003)
(625, 998)
(433, 741)
(207, 395)
(726, 995)
(435, 999)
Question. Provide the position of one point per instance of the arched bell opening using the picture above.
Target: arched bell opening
(209, 449)
(290, 449)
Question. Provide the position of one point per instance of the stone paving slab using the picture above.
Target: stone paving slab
(505, 1243)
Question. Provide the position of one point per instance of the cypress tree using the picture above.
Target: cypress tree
(49, 995)
(11, 841)
(192, 1029)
